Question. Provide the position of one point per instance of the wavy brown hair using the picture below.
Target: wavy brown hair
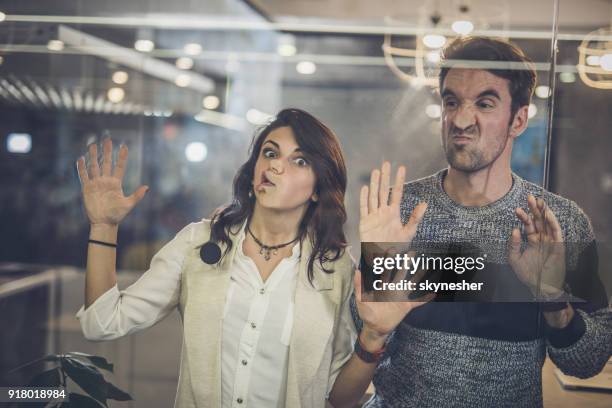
(324, 219)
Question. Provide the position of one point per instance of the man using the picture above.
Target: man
(488, 354)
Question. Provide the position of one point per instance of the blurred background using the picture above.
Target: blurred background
(185, 84)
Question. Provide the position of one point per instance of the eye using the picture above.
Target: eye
(485, 104)
(268, 153)
(450, 103)
(301, 162)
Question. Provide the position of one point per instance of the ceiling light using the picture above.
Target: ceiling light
(144, 45)
(434, 40)
(120, 77)
(210, 102)
(19, 143)
(567, 77)
(182, 80)
(606, 62)
(542, 91)
(115, 95)
(286, 45)
(462, 27)
(532, 111)
(196, 152)
(306, 67)
(184, 63)
(2, 16)
(592, 60)
(192, 49)
(256, 117)
(55, 45)
(433, 111)
(286, 50)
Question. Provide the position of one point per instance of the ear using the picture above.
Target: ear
(520, 121)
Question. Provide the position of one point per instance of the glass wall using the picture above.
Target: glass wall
(186, 84)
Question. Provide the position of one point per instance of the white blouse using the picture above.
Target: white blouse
(257, 323)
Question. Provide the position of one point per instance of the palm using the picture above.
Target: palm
(103, 195)
(542, 263)
(380, 219)
(382, 312)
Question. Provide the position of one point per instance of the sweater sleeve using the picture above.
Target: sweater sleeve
(584, 346)
(153, 296)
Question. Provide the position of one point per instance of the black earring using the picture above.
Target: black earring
(210, 253)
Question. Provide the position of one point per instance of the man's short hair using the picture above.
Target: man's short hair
(520, 71)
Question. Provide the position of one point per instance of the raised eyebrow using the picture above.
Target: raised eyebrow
(273, 142)
(447, 92)
(297, 149)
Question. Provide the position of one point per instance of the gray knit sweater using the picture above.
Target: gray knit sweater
(491, 354)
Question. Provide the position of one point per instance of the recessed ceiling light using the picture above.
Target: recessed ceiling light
(184, 63)
(115, 95)
(542, 91)
(196, 152)
(19, 143)
(2, 16)
(120, 77)
(182, 80)
(210, 102)
(192, 49)
(306, 67)
(144, 45)
(567, 77)
(433, 110)
(55, 45)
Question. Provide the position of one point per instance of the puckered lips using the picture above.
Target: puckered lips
(265, 181)
(461, 139)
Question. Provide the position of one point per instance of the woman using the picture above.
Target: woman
(263, 288)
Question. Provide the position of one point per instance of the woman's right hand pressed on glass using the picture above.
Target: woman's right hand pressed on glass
(102, 188)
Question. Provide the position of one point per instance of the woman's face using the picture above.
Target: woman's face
(283, 178)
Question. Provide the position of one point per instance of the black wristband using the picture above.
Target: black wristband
(107, 244)
(365, 355)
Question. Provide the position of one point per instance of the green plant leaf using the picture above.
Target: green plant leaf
(98, 361)
(82, 401)
(87, 377)
(49, 378)
(117, 394)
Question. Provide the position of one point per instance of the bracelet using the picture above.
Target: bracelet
(365, 355)
(107, 244)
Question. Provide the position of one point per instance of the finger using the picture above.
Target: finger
(94, 169)
(385, 182)
(514, 245)
(107, 158)
(82, 170)
(374, 185)
(138, 195)
(527, 222)
(119, 170)
(547, 227)
(363, 201)
(537, 215)
(553, 223)
(398, 188)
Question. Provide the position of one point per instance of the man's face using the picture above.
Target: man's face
(475, 118)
